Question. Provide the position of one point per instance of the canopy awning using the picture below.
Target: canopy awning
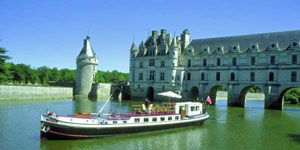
(170, 94)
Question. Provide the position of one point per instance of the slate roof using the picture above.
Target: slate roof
(264, 40)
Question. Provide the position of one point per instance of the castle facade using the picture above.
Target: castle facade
(197, 68)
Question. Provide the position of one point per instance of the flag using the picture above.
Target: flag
(208, 100)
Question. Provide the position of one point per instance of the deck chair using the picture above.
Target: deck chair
(144, 108)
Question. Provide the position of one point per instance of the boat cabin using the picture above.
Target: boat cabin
(189, 108)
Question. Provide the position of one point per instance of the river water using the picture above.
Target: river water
(230, 128)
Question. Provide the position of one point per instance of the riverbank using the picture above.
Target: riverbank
(9, 92)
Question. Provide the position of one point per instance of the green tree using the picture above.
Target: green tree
(3, 57)
(254, 90)
(55, 75)
(43, 73)
(5, 74)
(292, 95)
(18, 73)
(111, 77)
(67, 76)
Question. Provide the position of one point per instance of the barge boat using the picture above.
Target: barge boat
(79, 126)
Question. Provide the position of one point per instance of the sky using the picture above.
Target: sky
(51, 32)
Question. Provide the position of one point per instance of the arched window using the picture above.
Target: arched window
(232, 76)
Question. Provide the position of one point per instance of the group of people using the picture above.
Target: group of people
(147, 103)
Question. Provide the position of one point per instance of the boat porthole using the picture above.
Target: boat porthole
(87, 120)
(71, 120)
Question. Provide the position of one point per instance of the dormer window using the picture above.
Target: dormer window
(253, 46)
(205, 49)
(234, 48)
(295, 44)
(273, 45)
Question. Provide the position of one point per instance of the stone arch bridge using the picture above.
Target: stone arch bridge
(237, 92)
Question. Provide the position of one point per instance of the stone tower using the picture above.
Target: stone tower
(86, 69)
(133, 54)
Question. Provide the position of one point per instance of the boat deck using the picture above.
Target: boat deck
(127, 116)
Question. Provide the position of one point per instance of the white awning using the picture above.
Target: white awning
(170, 94)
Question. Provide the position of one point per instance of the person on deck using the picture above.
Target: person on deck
(147, 104)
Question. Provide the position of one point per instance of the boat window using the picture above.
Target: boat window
(193, 108)
(154, 119)
(162, 118)
(197, 108)
(124, 122)
(146, 119)
(170, 118)
(176, 117)
(137, 120)
(115, 122)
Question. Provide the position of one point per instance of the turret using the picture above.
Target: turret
(174, 49)
(133, 51)
(173, 53)
(86, 69)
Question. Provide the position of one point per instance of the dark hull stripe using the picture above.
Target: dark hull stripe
(64, 132)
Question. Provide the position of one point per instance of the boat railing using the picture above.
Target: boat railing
(154, 109)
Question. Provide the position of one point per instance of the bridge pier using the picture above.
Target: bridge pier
(213, 98)
(273, 102)
(234, 100)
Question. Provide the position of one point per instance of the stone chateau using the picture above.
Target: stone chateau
(198, 68)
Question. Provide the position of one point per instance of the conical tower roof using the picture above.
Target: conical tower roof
(174, 43)
(133, 46)
(87, 50)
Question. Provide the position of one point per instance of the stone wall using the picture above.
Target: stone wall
(33, 92)
(101, 90)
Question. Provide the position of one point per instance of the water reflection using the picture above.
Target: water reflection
(84, 106)
(175, 139)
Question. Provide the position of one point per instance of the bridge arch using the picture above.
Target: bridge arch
(150, 93)
(213, 92)
(194, 93)
(291, 98)
(249, 89)
(116, 94)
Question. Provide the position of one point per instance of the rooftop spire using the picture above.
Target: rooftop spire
(87, 49)
(174, 43)
(133, 47)
(141, 45)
